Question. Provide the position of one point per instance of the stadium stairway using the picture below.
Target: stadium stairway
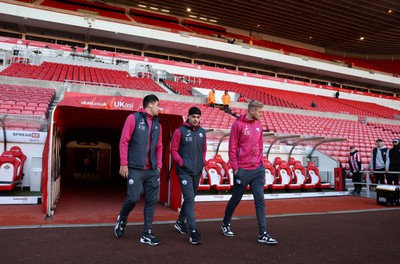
(165, 87)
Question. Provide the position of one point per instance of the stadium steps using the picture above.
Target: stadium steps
(165, 87)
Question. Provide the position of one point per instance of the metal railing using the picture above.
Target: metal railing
(368, 184)
(91, 83)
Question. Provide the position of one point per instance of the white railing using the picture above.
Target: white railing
(92, 83)
(368, 184)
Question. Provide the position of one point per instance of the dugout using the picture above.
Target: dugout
(284, 146)
(91, 124)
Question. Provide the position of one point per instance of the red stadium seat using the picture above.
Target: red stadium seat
(21, 157)
(291, 162)
(224, 168)
(9, 171)
(313, 173)
(283, 172)
(203, 184)
(301, 176)
(229, 174)
(283, 177)
(277, 162)
(270, 177)
(214, 176)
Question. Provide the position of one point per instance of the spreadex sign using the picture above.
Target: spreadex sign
(21, 136)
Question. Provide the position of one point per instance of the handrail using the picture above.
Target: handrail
(368, 182)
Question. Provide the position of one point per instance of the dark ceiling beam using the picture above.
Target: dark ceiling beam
(333, 24)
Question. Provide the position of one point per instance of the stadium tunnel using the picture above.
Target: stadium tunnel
(82, 144)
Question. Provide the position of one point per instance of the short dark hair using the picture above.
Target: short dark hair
(151, 98)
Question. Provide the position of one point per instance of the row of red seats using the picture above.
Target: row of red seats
(25, 100)
(211, 117)
(39, 113)
(180, 87)
(90, 75)
(386, 127)
(98, 8)
(390, 65)
(292, 175)
(11, 169)
(172, 23)
(210, 27)
(143, 13)
(357, 134)
(159, 23)
(218, 175)
(291, 99)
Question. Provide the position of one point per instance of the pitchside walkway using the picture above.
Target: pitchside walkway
(101, 208)
(309, 230)
(343, 229)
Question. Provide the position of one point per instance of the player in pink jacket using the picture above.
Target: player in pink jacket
(246, 158)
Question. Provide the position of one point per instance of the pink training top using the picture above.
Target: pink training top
(246, 144)
(176, 142)
(127, 131)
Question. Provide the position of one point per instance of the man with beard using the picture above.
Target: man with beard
(140, 163)
(246, 158)
(188, 150)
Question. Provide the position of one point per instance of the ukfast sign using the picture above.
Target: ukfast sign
(104, 102)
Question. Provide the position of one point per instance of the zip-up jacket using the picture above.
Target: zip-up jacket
(378, 161)
(140, 144)
(226, 99)
(188, 149)
(211, 97)
(393, 158)
(246, 144)
(355, 161)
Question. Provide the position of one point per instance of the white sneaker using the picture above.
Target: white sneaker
(267, 239)
(226, 229)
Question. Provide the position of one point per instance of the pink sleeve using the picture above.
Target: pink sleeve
(175, 144)
(205, 149)
(127, 131)
(261, 145)
(233, 144)
(159, 150)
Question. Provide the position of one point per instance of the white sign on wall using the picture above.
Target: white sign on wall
(20, 136)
